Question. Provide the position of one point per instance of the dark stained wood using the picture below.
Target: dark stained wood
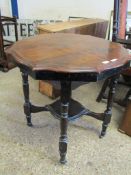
(27, 104)
(65, 100)
(67, 58)
(5, 65)
(108, 111)
(68, 53)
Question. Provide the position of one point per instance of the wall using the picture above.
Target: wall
(129, 5)
(61, 9)
(5, 7)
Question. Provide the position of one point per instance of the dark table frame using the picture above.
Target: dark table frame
(67, 109)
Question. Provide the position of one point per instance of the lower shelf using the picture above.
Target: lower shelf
(76, 110)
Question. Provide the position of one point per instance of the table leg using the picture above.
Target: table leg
(65, 98)
(27, 105)
(108, 111)
(103, 89)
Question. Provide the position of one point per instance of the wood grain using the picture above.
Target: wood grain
(68, 53)
(62, 26)
(94, 27)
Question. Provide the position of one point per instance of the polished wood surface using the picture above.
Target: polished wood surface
(68, 53)
(90, 26)
(95, 27)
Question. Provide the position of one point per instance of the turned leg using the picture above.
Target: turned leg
(103, 89)
(108, 111)
(27, 105)
(65, 98)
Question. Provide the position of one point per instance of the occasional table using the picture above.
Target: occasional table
(67, 58)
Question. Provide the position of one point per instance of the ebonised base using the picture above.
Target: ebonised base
(66, 109)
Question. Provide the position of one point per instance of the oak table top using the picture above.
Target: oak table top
(61, 26)
(69, 54)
